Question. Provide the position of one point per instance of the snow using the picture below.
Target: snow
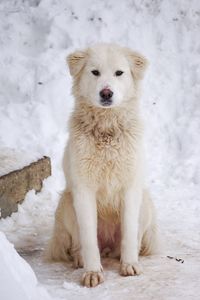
(35, 103)
(18, 280)
(13, 159)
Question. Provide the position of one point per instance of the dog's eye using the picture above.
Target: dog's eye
(118, 73)
(95, 72)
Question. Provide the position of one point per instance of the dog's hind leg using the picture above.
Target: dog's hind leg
(149, 242)
(65, 244)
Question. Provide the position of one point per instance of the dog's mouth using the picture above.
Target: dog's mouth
(106, 102)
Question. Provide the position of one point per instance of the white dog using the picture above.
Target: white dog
(105, 207)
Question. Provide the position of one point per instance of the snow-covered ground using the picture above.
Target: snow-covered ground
(35, 103)
(18, 280)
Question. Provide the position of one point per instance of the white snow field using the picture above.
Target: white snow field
(35, 103)
(18, 280)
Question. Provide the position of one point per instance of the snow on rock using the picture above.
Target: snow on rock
(17, 279)
(13, 159)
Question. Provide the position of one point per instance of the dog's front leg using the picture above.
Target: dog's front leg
(129, 227)
(86, 213)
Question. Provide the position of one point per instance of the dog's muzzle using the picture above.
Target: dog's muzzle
(106, 97)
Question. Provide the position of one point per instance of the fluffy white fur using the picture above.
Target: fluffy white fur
(105, 207)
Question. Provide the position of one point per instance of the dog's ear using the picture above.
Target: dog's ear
(76, 61)
(138, 63)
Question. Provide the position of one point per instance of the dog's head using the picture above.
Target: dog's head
(106, 75)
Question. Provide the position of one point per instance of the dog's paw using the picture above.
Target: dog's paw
(77, 261)
(130, 269)
(92, 279)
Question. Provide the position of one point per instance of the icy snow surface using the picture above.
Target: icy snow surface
(13, 159)
(35, 103)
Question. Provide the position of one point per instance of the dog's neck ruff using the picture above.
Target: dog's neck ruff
(106, 125)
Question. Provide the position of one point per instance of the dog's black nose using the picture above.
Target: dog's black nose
(106, 94)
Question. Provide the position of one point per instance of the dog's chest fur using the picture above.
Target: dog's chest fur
(106, 145)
